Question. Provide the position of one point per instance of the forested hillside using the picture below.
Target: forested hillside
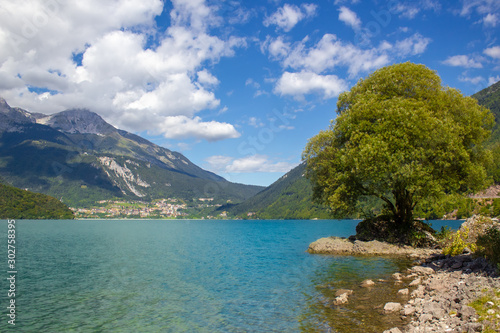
(20, 204)
(287, 198)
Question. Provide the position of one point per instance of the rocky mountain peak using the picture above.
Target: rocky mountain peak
(3, 104)
(10, 118)
(78, 121)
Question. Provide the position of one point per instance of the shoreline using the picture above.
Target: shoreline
(443, 289)
(434, 294)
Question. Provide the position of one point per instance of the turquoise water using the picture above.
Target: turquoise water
(175, 276)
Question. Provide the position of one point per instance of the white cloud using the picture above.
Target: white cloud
(277, 48)
(462, 61)
(489, 10)
(255, 122)
(493, 80)
(407, 11)
(473, 80)
(413, 45)
(330, 52)
(490, 20)
(410, 9)
(131, 85)
(206, 78)
(299, 84)
(307, 68)
(482, 7)
(253, 163)
(493, 52)
(288, 16)
(181, 127)
(349, 17)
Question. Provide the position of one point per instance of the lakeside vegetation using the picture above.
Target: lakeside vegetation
(402, 138)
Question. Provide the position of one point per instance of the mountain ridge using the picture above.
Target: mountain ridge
(76, 155)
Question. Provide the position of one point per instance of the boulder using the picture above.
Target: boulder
(392, 307)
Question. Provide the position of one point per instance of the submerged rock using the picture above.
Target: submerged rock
(367, 283)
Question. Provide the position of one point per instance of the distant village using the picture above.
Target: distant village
(164, 208)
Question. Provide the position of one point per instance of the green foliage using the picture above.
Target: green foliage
(19, 204)
(459, 241)
(488, 245)
(444, 233)
(402, 137)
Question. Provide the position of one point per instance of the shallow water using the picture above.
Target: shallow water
(181, 276)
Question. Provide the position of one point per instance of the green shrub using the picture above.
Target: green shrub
(458, 242)
(488, 245)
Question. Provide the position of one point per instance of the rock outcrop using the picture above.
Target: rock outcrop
(343, 246)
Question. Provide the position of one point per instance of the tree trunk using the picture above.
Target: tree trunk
(403, 209)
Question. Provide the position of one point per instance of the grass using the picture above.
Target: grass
(488, 309)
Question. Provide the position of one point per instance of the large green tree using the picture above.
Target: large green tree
(402, 137)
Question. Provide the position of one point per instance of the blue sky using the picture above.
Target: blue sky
(237, 87)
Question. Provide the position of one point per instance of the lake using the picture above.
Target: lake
(180, 276)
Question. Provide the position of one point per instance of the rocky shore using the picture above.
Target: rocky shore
(443, 288)
(439, 293)
(436, 296)
(344, 246)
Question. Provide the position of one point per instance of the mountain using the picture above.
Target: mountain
(19, 204)
(77, 156)
(287, 198)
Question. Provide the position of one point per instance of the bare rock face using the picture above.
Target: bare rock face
(78, 121)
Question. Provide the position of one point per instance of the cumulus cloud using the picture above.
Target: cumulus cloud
(331, 52)
(288, 16)
(181, 127)
(253, 163)
(349, 17)
(462, 61)
(56, 55)
(299, 84)
(493, 52)
(307, 68)
(413, 45)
